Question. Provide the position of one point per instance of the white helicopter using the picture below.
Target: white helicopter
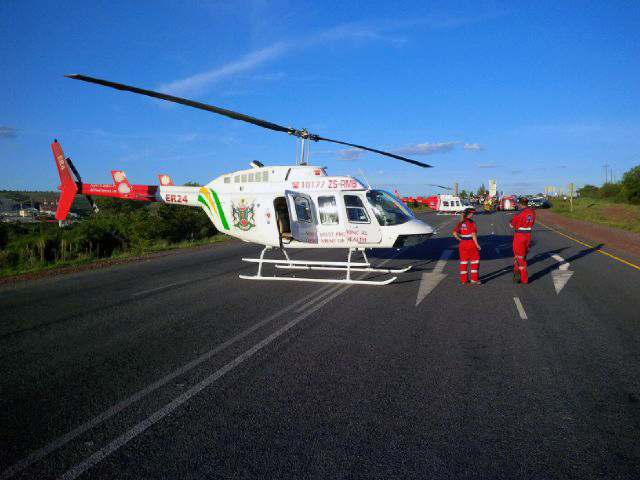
(279, 207)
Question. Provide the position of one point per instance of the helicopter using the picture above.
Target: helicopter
(278, 207)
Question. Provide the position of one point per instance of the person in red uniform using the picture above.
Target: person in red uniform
(522, 223)
(469, 248)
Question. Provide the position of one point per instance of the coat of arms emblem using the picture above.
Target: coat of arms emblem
(243, 215)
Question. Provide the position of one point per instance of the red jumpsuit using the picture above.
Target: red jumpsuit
(469, 253)
(522, 224)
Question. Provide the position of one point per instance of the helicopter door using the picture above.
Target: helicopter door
(303, 217)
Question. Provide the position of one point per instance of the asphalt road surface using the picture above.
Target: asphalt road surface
(173, 367)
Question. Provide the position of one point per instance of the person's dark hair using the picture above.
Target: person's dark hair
(465, 214)
(523, 201)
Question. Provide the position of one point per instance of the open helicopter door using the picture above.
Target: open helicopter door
(303, 217)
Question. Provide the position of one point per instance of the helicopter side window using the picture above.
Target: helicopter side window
(303, 209)
(236, 179)
(445, 203)
(356, 213)
(265, 176)
(250, 179)
(328, 209)
(243, 178)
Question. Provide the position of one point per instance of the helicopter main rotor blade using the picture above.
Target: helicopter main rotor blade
(235, 115)
(184, 101)
(440, 186)
(415, 162)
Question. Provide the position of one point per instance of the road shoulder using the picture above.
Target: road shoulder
(620, 242)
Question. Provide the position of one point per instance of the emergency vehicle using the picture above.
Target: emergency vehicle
(508, 203)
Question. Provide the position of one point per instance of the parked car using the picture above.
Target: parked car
(539, 202)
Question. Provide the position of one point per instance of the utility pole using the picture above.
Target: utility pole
(606, 175)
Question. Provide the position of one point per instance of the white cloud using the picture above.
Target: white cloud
(351, 154)
(473, 147)
(201, 81)
(488, 165)
(425, 148)
(356, 33)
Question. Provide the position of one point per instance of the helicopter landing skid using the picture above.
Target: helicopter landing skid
(347, 267)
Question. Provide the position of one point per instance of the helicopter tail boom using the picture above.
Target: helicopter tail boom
(121, 188)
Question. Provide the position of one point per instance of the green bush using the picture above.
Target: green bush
(631, 185)
(120, 227)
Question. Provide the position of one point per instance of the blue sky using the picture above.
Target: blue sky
(528, 93)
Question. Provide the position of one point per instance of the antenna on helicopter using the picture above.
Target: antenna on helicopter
(302, 134)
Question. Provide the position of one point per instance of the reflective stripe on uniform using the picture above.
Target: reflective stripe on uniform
(519, 256)
(522, 268)
(464, 262)
(466, 237)
(474, 271)
(474, 262)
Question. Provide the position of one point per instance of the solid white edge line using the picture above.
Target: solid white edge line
(523, 314)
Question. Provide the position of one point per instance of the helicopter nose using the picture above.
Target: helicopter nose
(414, 233)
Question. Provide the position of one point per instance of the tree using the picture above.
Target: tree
(610, 191)
(631, 185)
(482, 190)
(588, 191)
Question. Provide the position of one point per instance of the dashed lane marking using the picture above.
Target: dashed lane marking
(633, 265)
(523, 314)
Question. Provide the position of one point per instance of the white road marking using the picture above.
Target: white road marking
(430, 280)
(306, 305)
(139, 428)
(117, 408)
(442, 262)
(561, 276)
(523, 314)
(564, 265)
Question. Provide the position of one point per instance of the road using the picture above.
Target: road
(173, 367)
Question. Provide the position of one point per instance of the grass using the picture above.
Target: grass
(603, 212)
(160, 246)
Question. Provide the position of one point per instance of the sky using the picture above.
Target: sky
(531, 94)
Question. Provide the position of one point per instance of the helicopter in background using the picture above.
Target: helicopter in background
(281, 207)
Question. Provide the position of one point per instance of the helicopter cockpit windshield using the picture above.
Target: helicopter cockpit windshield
(388, 209)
